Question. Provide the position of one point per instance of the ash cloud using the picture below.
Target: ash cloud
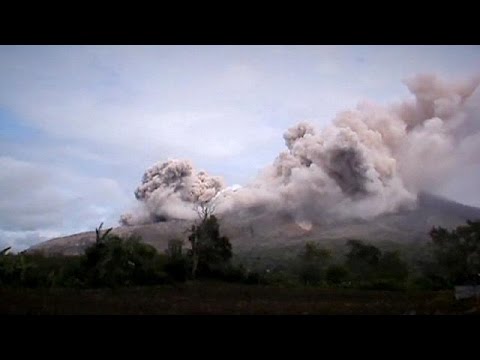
(370, 161)
(170, 190)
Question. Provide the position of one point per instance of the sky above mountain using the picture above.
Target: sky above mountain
(80, 124)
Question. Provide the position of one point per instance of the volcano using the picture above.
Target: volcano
(252, 228)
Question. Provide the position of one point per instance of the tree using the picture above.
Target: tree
(456, 253)
(99, 238)
(9, 269)
(210, 251)
(392, 267)
(362, 259)
(313, 261)
(204, 197)
(336, 274)
(375, 270)
(176, 266)
(205, 209)
(195, 238)
(175, 249)
(117, 262)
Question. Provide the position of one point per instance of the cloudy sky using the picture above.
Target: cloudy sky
(80, 124)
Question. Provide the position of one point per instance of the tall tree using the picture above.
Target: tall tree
(456, 253)
(313, 262)
(210, 251)
(363, 259)
(203, 231)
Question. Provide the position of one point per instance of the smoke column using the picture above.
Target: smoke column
(370, 161)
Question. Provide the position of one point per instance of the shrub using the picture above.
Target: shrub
(336, 274)
(116, 262)
(456, 254)
(362, 260)
(233, 273)
(38, 270)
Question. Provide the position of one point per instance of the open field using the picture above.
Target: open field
(228, 299)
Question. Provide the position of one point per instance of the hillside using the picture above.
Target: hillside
(254, 228)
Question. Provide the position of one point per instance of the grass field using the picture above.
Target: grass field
(225, 298)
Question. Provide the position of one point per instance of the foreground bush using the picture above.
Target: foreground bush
(336, 274)
(111, 262)
(36, 270)
(455, 255)
(116, 262)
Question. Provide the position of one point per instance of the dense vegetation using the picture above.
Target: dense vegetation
(450, 258)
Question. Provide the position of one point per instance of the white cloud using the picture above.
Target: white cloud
(21, 240)
(239, 78)
(131, 106)
(38, 199)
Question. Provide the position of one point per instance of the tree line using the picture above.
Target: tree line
(452, 257)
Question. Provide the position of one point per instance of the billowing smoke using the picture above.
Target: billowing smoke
(171, 190)
(369, 161)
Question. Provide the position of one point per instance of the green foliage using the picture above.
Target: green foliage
(313, 261)
(177, 264)
(281, 278)
(210, 252)
(451, 258)
(175, 249)
(110, 262)
(371, 269)
(10, 269)
(455, 256)
(99, 237)
(232, 273)
(362, 260)
(113, 262)
(315, 253)
(36, 270)
(392, 267)
(336, 274)
(238, 274)
(116, 262)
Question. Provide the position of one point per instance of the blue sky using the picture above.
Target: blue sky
(79, 124)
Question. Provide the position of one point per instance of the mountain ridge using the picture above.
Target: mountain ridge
(265, 229)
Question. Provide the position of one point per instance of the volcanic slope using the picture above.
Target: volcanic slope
(259, 228)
